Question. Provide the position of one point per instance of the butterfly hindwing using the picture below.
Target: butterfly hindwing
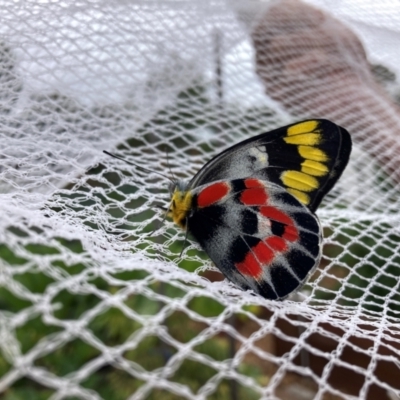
(259, 235)
(306, 158)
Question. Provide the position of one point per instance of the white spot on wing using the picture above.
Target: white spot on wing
(264, 226)
(261, 158)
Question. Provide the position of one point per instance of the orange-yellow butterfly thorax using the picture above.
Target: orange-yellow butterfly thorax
(181, 204)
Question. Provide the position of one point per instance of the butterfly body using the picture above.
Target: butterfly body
(251, 208)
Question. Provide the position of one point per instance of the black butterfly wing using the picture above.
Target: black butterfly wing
(306, 158)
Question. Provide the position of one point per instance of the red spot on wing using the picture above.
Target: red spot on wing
(276, 215)
(253, 183)
(249, 266)
(263, 253)
(253, 197)
(291, 233)
(276, 243)
(212, 194)
(255, 194)
(252, 265)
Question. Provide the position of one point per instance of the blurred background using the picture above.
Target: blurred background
(98, 299)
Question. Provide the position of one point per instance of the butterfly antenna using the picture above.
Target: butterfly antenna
(169, 166)
(138, 166)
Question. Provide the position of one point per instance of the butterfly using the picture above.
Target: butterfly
(252, 207)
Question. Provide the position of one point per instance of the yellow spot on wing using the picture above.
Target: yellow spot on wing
(307, 139)
(303, 127)
(181, 204)
(299, 180)
(314, 168)
(312, 153)
(301, 196)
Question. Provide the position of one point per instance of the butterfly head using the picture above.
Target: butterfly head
(181, 203)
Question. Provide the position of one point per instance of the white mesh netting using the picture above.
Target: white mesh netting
(93, 303)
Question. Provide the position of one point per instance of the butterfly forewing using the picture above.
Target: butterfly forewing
(259, 235)
(306, 158)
